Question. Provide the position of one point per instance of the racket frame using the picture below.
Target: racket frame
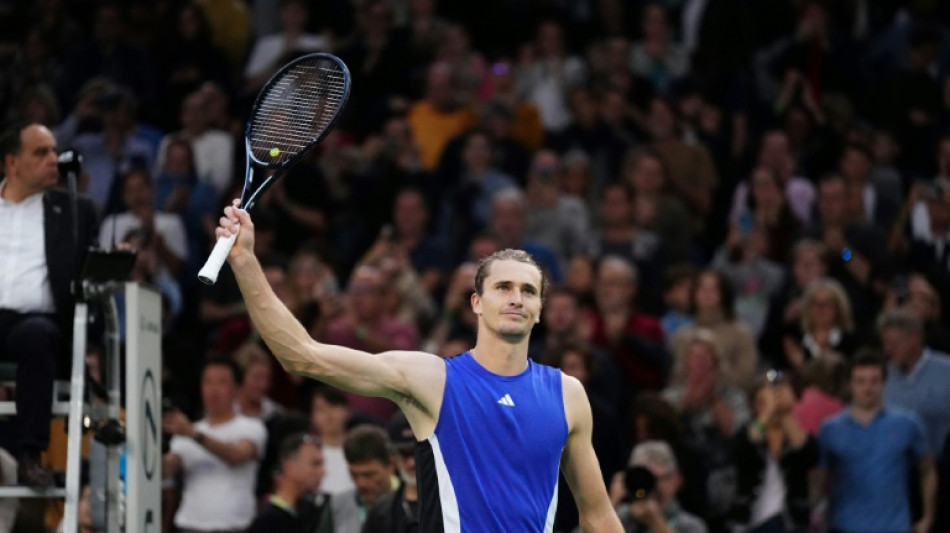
(209, 272)
(248, 198)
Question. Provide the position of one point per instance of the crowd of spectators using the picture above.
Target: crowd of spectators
(743, 207)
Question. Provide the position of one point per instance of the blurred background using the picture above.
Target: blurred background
(758, 180)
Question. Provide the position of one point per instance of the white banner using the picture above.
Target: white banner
(143, 409)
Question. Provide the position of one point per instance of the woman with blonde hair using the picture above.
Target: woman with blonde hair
(826, 328)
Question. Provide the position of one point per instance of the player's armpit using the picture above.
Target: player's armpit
(409, 378)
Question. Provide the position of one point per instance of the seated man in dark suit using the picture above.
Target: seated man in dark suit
(39, 260)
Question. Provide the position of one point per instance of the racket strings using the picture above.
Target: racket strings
(297, 110)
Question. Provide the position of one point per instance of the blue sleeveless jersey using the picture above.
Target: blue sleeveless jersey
(492, 464)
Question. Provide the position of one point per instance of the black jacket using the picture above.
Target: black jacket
(750, 458)
(392, 514)
(63, 256)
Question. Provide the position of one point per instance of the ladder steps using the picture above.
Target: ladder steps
(60, 409)
(20, 491)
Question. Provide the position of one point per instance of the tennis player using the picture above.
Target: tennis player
(492, 426)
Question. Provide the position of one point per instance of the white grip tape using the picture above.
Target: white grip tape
(209, 273)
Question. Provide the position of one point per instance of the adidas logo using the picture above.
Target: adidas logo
(506, 400)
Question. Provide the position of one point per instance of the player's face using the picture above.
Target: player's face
(35, 165)
(372, 479)
(867, 385)
(510, 303)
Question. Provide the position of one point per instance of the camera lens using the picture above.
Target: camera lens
(639, 481)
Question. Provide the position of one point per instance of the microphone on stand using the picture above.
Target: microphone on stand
(70, 165)
(69, 161)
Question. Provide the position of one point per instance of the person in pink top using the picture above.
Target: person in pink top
(820, 397)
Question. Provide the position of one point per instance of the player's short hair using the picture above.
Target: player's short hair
(508, 254)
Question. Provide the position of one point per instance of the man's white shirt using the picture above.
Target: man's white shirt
(24, 286)
(217, 496)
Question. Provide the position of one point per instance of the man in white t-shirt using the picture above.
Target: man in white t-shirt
(329, 413)
(217, 455)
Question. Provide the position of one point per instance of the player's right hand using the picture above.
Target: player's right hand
(236, 220)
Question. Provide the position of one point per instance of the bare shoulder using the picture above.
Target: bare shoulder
(423, 376)
(576, 404)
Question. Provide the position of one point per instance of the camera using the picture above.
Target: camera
(639, 482)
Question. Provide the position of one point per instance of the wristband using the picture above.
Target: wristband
(200, 438)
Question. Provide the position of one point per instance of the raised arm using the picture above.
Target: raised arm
(580, 466)
(413, 380)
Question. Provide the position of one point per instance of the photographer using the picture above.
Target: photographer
(648, 493)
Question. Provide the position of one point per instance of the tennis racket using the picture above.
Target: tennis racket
(293, 112)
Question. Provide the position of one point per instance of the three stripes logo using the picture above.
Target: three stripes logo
(506, 400)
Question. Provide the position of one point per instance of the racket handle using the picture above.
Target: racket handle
(209, 273)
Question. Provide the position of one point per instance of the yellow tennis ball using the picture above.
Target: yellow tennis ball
(274, 152)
